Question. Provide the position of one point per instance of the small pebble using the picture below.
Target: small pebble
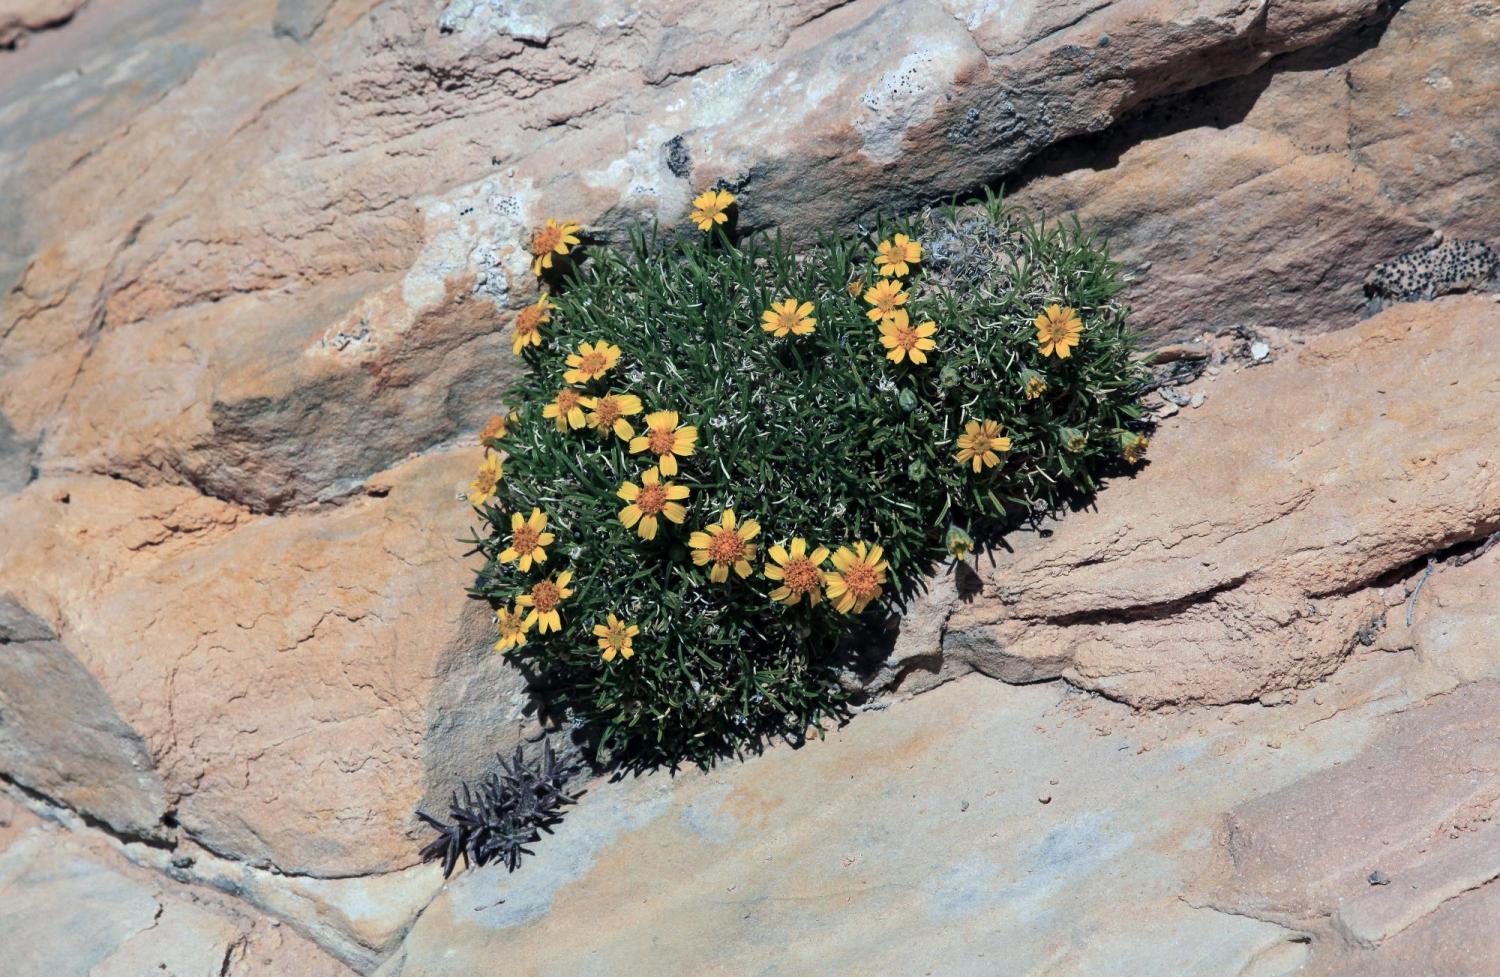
(1197, 400)
(182, 860)
(1045, 798)
(1379, 878)
(964, 806)
(1259, 351)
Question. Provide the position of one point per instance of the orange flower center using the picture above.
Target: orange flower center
(545, 596)
(906, 337)
(662, 440)
(494, 429)
(862, 581)
(616, 636)
(525, 539)
(592, 364)
(527, 320)
(981, 442)
(652, 500)
(786, 320)
(566, 401)
(726, 547)
(607, 411)
(800, 575)
(511, 625)
(546, 239)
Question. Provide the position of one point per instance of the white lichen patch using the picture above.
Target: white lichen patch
(525, 20)
(907, 95)
(721, 99)
(478, 233)
(647, 188)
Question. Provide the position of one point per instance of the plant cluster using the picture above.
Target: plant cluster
(725, 454)
(507, 811)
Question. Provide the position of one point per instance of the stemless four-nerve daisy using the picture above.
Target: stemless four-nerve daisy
(609, 413)
(482, 489)
(787, 317)
(857, 578)
(798, 571)
(567, 408)
(651, 500)
(1035, 385)
(1134, 449)
(528, 539)
(527, 330)
(906, 341)
(513, 627)
(543, 600)
(709, 208)
(980, 443)
(665, 439)
(552, 239)
(886, 297)
(724, 545)
(591, 362)
(494, 429)
(895, 256)
(1058, 330)
(615, 638)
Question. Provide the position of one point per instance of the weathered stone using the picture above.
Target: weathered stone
(1265, 200)
(21, 17)
(253, 654)
(1238, 564)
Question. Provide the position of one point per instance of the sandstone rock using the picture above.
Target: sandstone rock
(912, 841)
(21, 17)
(315, 273)
(1236, 564)
(1265, 200)
(249, 656)
(63, 914)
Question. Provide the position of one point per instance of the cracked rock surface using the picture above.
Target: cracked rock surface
(258, 261)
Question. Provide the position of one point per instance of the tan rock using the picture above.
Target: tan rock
(21, 17)
(1264, 200)
(302, 683)
(1241, 562)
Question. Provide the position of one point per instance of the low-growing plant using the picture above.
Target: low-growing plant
(498, 817)
(725, 453)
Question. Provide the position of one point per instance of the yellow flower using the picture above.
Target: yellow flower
(857, 577)
(528, 539)
(552, 239)
(798, 571)
(1134, 449)
(527, 330)
(543, 600)
(788, 317)
(482, 489)
(591, 362)
(725, 545)
(650, 500)
(609, 414)
(1058, 330)
(709, 208)
(980, 442)
(906, 341)
(960, 543)
(1074, 439)
(615, 637)
(567, 408)
(494, 429)
(894, 257)
(885, 296)
(513, 627)
(665, 439)
(1035, 385)
(856, 286)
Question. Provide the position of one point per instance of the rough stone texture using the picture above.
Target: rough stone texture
(279, 676)
(982, 828)
(18, 18)
(1310, 171)
(256, 263)
(1245, 559)
(70, 907)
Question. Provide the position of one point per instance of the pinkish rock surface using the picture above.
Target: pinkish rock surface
(257, 261)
